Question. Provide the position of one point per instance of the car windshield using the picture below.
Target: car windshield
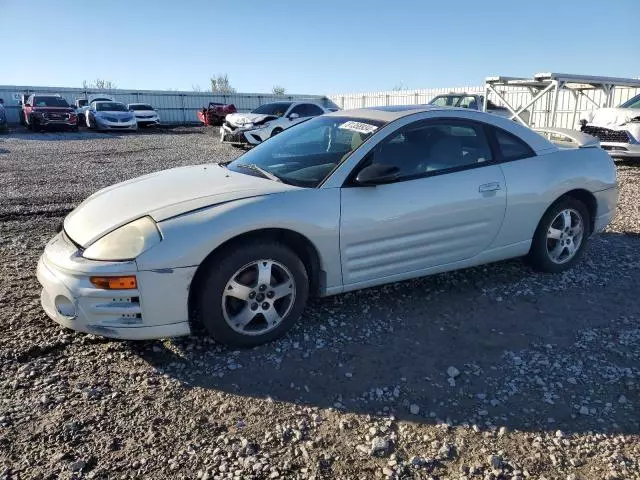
(276, 109)
(110, 107)
(632, 102)
(49, 102)
(140, 106)
(305, 154)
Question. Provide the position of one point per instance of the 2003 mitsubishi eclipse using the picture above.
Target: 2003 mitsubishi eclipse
(343, 201)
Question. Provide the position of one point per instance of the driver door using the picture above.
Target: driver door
(446, 206)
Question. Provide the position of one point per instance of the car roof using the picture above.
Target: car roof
(386, 113)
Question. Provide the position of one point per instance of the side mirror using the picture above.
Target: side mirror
(293, 116)
(377, 174)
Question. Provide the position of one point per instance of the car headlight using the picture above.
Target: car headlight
(126, 242)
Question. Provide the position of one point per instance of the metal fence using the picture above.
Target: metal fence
(173, 106)
(540, 113)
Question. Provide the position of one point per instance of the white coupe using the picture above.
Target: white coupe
(344, 201)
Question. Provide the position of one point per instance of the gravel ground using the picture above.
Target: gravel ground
(493, 372)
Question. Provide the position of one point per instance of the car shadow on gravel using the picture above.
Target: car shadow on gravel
(450, 348)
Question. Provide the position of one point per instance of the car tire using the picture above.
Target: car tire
(276, 131)
(258, 316)
(561, 236)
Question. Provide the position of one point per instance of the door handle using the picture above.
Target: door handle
(489, 187)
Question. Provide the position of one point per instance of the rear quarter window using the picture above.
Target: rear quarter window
(511, 147)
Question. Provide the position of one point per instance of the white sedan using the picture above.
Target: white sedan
(144, 113)
(266, 121)
(341, 202)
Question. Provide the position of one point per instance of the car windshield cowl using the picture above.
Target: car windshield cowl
(305, 154)
(260, 170)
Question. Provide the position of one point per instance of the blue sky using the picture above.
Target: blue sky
(307, 46)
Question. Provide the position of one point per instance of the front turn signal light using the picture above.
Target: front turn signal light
(115, 283)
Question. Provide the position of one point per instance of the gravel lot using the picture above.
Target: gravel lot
(494, 372)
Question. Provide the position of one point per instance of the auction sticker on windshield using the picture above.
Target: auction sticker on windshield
(359, 127)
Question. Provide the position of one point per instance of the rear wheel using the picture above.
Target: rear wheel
(253, 293)
(561, 236)
(276, 131)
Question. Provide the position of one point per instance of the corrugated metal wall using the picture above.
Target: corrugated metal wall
(541, 111)
(173, 106)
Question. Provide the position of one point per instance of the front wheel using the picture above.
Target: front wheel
(561, 236)
(253, 293)
(276, 131)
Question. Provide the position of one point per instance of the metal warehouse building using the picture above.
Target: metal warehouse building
(173, 106)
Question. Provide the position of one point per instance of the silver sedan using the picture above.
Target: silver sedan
(108, 115)
(341, 202)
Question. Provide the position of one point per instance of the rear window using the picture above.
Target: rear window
(511, 147)
(49, 102)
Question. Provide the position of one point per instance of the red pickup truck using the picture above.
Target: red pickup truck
(214, 114)
(46, 110)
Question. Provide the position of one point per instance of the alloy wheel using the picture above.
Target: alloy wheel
(564, 236)
(258, 297)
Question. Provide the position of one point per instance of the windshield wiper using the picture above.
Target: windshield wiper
(260, 170)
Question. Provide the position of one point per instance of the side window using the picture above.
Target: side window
(435, 146)
(469, 102)
(300, 110)
(511, 147)
(313, 110)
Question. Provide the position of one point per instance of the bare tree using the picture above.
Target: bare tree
(221, 84)
(278, 90)
(196, 88)
(100, 84)
(103, 84)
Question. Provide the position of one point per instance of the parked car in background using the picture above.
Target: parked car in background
(343, 201)
(103, 115)
(3, 117)
(215, 113)
(474, 102)
(618, 129)
(266, 121)
(43, 111)
(21, 101)
(144, 113)
(82, 105)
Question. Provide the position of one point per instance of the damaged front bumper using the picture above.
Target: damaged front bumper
(618, 142)
(156, 308)
(241, 136)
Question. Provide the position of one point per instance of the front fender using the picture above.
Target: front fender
(314, 213)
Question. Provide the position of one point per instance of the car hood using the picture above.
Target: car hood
(240, 119)
(53, 109)
(162, 195)
(611, 117)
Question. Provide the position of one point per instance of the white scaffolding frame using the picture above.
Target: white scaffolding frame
(543, 84)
